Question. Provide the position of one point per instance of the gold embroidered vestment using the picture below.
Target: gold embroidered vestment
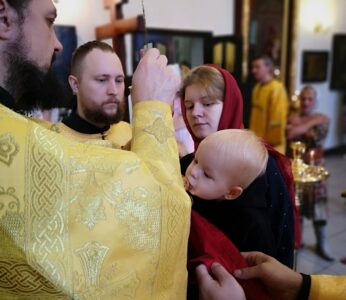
(83, 221)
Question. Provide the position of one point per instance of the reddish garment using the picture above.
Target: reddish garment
(232, 117)
(209, 245)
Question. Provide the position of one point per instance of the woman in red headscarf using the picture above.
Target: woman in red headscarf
(211, 101)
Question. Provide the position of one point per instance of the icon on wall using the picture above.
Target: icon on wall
(315, 66)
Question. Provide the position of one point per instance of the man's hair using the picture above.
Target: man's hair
(309, 88)
(268, 61)
(19, 6)
(209, 78)
(82, 51)
(240, 149)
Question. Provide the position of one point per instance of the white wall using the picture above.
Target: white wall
(178, 14)
(217, 16)
(84, 14)
(207, 15)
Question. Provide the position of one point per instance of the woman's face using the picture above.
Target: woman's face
(203, 112)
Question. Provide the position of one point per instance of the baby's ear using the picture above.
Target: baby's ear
(234, 193)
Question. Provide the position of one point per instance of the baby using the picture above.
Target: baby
(226, 162)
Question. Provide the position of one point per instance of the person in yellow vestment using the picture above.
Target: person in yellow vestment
(97, 79)
(269, 106)
(280, 281)
(81, 221)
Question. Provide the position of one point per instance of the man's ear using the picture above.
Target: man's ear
(73, 81)
(234, 193)
(8, 18)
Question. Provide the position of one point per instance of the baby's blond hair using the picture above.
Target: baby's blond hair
(241, 151)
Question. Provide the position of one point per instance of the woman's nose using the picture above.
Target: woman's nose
(197, 110)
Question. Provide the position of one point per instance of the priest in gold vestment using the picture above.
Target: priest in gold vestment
(80, 221)
(85, 221)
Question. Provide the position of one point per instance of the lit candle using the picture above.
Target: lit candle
(312, 158)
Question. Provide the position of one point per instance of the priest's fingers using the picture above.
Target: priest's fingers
(153, 80)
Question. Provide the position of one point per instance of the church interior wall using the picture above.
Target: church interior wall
(218, 16)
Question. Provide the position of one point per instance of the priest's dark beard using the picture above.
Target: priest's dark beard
(31, 87)
(100, 117)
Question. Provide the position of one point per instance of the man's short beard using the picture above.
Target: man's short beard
(100, 117)
(31, 87)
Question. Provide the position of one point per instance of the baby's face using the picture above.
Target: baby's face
(207, 177)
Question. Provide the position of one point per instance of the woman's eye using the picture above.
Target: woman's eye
(206, 175)
(188, 106)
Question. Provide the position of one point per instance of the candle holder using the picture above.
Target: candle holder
(298, 166)
(304, 174)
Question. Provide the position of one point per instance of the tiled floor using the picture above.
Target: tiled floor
(307, 261)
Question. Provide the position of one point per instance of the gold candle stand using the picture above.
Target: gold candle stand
(303, 173)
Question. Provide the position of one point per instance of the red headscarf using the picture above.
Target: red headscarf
(232, 117)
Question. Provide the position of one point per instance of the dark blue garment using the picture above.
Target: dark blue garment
(261, 219)
(281, 213)
(77, 123)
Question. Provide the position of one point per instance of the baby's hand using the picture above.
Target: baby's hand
(186, 183)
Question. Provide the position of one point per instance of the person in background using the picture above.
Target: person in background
(281, 282)
(211, 102)
(311, 128)
(80, 221)
(269, 106)
(97, 79)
